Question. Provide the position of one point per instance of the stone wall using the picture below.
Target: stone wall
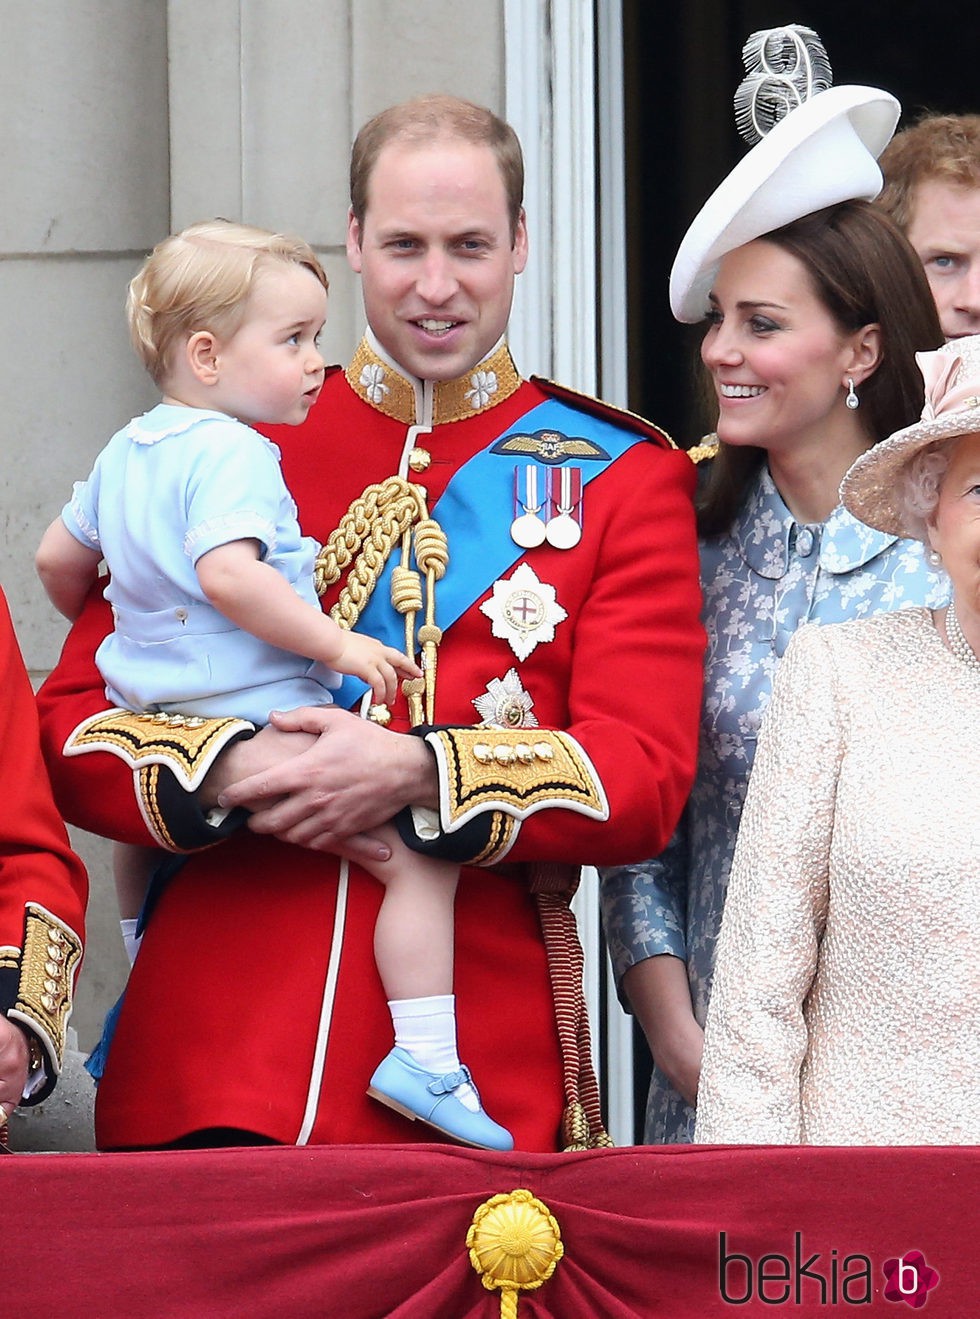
(123, 119)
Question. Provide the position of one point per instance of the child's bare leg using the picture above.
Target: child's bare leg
(413, 947)
(413, 937)
(132, 867)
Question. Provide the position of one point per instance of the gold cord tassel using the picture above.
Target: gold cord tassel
(385, 514)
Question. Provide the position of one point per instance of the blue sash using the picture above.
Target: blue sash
(475, 512)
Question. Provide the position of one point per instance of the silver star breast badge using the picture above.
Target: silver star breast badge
(523, 611)
(505, 703)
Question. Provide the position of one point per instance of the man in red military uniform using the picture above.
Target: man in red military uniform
(537, 550)
(43, 890)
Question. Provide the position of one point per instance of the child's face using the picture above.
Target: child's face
(270, 370)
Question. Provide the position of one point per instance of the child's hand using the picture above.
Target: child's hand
(379, 665)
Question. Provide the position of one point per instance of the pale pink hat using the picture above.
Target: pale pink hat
(874, 488)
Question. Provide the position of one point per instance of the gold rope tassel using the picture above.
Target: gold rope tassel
(432, 557)
(514, 1244)
(384, 515)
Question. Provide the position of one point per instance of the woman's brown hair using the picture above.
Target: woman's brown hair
(864, 272)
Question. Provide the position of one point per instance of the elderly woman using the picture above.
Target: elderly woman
(846, 1001)
(814, 306)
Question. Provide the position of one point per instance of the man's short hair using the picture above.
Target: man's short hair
(428, 119)
(941, 147)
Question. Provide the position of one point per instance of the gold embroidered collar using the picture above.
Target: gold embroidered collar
(376, 379)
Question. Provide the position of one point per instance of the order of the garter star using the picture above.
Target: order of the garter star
(524, 611)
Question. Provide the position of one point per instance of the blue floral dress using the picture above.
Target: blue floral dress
(761, 581)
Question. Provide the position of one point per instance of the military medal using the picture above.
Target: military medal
(527, 528)
(564, 527)
(523, 611)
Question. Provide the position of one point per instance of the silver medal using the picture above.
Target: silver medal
(563, 532)
(527, 529)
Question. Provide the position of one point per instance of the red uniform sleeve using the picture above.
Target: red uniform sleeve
(608, 782)
(43, 885)
(637, 676)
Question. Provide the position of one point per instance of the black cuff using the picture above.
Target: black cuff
(463, 846)
(185, 823)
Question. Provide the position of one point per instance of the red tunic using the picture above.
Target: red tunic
(43, 886)
(255, 1002)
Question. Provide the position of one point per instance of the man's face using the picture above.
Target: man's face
(435, 255)
(945, 232)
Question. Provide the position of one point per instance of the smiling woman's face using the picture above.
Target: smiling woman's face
(777, 357)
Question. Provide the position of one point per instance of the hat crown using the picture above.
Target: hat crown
(951, 375)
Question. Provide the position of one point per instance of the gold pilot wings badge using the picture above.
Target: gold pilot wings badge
(550, 446)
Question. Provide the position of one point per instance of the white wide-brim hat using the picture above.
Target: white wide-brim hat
(874, 487)
(824, 151)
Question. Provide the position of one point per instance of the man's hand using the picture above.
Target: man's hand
(13, 1066)
(344, 777)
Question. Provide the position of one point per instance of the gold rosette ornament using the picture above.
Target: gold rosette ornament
(514, 1244)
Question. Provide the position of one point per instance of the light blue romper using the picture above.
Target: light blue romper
(167, 488)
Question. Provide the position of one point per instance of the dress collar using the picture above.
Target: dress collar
(166, 419)
(765, 532)
(382, 384)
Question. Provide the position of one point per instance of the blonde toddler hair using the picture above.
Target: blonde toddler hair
(200, 279)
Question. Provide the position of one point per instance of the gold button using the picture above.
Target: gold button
(48, 1003)
(419, 459)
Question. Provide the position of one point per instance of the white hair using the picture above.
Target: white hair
(921, 483)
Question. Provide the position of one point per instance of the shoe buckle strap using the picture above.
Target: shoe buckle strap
(446, 1084)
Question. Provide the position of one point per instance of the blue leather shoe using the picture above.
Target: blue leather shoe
(401, 1084)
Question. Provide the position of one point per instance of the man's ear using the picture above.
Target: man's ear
(520, 243)
(202, 356)
(353, 242)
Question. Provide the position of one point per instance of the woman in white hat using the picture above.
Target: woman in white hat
(815, 305)
(846, 1002)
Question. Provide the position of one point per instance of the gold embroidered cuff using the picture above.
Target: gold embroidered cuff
(515, 771)
(48, 961)
(187, 746)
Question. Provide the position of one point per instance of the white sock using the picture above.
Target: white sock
(131, 939)
(426, 1028)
